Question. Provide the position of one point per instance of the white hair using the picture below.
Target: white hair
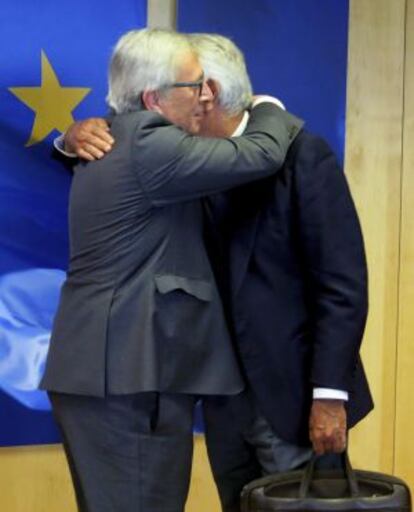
(223, 62)
(142, 60)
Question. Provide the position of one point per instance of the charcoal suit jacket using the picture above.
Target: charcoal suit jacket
(140, 309)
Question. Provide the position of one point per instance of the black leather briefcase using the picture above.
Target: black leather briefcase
(326, 491)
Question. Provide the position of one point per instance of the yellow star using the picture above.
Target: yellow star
(52, 103)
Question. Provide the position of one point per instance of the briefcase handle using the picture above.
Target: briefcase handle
(349, 473)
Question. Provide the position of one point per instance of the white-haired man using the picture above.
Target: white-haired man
(140, 331)
(292, 267)
(291, 258)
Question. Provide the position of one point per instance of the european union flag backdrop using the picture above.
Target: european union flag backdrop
(295, 50)
(53, 65)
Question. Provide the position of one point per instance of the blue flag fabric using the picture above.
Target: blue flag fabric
(54, 65)
(295, 50)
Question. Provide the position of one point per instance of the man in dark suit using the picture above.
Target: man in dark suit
(140, 331)
(290, 256)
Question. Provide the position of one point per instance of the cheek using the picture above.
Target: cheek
(204, 127)
(187, 108)
(191, 99)
(184, 105)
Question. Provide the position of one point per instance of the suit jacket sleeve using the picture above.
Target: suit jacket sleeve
(174, 166)
(334, 261)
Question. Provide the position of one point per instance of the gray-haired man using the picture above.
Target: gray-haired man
(140, 331)
(292, 267)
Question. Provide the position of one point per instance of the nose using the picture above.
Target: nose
(206, 93)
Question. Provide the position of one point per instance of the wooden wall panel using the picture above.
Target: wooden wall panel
(404, 441)
(203, 495)
(373, 166)
(35, 479)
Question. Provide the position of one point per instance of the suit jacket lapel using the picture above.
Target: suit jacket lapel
(242, 241)
(235, 217)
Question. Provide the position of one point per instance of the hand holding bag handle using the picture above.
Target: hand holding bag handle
(349, 473)
(332, 491)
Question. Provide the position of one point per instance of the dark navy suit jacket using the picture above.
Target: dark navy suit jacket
(294, 273)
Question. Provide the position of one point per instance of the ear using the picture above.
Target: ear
(151, 101)
(210, 100)
(214, 87)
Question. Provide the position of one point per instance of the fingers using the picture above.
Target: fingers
(325, 441)
(89, 139)
(338, 440)
(101, 135)
(94, 143)
(89, 153)
(327, 426)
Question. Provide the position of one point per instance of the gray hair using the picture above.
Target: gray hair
(142, 60)
(223, 62)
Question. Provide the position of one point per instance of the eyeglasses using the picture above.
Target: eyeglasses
(196, 84)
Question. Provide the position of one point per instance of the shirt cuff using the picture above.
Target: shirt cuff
(268, 99)
(328, 393)
(59, 143)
